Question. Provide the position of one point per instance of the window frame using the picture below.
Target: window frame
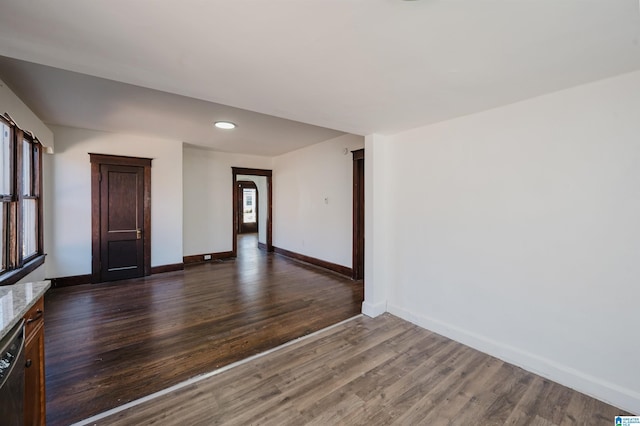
(18, 266)
(35, 191)
(8, 197)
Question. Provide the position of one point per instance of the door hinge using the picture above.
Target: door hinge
(100, 177)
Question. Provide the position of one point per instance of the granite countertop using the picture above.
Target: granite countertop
(15, 301)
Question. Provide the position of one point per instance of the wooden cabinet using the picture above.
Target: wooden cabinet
(34, 399)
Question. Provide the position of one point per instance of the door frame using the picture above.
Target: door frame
(252, 172)
(248, 184)
(357, 265)
(116, 160)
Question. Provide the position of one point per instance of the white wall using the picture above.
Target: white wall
(68, 222)
(263, 204)
(39, 274)
(302, 221)
(23, 116)
(208, 214)
(377, 269)
(517, 231)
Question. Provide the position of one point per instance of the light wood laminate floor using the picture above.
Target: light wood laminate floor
(372, 372)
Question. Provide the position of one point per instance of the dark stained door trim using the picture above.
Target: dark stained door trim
(242, 227)
(96, 161)
(252, 172)
(358, 215)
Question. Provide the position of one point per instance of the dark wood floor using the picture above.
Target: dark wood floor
(367, 371)
(108, 344)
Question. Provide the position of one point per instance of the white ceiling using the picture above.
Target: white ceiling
(359, 66)
(78, 100)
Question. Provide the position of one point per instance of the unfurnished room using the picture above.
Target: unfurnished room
(320, 212)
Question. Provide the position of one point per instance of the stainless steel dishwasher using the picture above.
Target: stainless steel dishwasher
(12, 377)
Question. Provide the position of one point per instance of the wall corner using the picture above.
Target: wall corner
(377, 263)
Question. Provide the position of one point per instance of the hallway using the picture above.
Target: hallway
(111, 343)
(248, 246)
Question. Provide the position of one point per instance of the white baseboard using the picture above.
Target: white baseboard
(374, 310)
(625, 399)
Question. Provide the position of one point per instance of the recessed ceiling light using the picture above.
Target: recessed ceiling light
(226, 125)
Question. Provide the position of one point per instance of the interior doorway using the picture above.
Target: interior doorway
(248, 207)
(262, 183)
(120, 217)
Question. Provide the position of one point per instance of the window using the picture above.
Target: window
(3, 235)
(20, 202)
(5, 190)
(5, 159)
(29, 198)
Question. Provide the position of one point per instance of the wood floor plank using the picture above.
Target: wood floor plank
(583, 410)
(554, 402)
(541, 421)
(398, 398)
(433, 401)
(347, 385)
(111, 343)
(527, 405)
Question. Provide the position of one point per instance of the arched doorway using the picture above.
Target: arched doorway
(264, 215)
(248, 207)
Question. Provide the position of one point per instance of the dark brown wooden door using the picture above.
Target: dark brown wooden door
(121, 222)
